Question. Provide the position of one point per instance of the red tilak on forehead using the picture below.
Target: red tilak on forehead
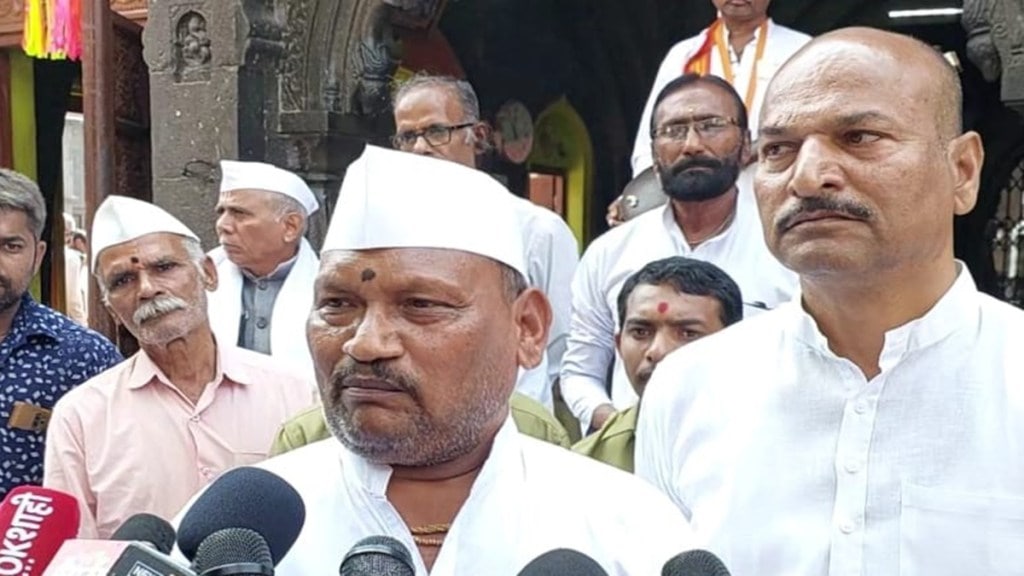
(662, 307)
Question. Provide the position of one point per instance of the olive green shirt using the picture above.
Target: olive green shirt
(531, 418)
(613, 443)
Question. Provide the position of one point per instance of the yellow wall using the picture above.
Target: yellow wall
(23, 124)
(562, 141)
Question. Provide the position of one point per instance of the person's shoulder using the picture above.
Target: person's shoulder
(308, 466)
(572, 477)
(70, 334)
(790, 36)
(95, 393)
(539, 218)
(613, 239)
(534, 420)
(683, 49)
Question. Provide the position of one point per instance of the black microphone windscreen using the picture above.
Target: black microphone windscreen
(378, 556)
(694, 563)
(233, 547)
(250, 498)
(562, 561)
(147, 528)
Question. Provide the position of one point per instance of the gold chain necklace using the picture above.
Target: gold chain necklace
(420, 533)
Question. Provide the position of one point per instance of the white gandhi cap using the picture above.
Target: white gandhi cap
(235, 175)
(392, 199)
(120, 219)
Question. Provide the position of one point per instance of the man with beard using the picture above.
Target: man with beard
(421, 320)
(668, 304)
(699, 142)
(43, 354)
(874, 426)
(146, 434)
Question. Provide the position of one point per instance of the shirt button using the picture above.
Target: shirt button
(852, 466)
(195, 418)
(860, 407)
(205, 471)
(847, 527)
(261, 323)
(261, 285)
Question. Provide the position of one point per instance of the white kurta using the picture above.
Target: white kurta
(610, 260)
(291, 308)
(530, 497)
(781, 43)
(788, 461)
(551, 258)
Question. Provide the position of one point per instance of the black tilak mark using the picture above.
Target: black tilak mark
(135, 260)
(368, 275)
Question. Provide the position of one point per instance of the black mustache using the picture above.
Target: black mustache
(822, 204)
(376, 370)
(695, 162)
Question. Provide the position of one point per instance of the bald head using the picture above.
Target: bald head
(884, 59)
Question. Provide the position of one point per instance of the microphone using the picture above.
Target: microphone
(561, 562)
(147, 529)
(34, 523)
(694, 563)
(238, 551)
(378, 556)
(247, 498)
(139, 547)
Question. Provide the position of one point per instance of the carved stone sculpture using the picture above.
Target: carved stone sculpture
(995, 31)
(981, 47)
(192, 47)
(375, 66)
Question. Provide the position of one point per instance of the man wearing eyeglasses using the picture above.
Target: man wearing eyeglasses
(440, 116)
(699, 142)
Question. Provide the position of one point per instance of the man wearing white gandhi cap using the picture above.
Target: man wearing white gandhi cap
(265, 264)
(421, 319)
(204, 406)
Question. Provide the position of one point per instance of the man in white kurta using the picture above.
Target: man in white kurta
(713, 52)
(265, 264)
(738, 248)
(440, 116)
(529, 498)
(874, 426)
(397, 262)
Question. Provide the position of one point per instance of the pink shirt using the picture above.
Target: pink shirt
(127, 441)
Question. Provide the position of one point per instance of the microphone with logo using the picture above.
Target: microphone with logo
(378, 556)
(34, 523)
(138, 548)
(242, 525)
(694, 563)
(563, 562)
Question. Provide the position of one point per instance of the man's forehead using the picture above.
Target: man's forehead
(407, 262)
(143, 250)
(696, 101)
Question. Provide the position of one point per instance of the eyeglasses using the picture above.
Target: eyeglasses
(705, 127)
(434, 135)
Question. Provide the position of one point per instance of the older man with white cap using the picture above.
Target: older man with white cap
(421, 320)
(265, 264)
(149, 432)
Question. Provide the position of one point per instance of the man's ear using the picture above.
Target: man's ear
(40, 253)
(210, 278)
(292, 226)
(481, 137)
(966, 155)
(532, 313)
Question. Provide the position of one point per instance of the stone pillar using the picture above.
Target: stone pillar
(995, 43)
(302, 84)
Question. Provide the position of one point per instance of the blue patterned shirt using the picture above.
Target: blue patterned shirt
(43, 356)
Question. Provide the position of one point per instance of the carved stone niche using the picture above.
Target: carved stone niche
(192, 50)
(995, 44)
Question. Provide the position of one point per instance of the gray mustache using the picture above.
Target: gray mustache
(158, 307)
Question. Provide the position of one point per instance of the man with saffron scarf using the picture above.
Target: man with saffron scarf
(743, 46)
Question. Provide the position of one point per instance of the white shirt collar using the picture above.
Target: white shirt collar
(956, 309)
